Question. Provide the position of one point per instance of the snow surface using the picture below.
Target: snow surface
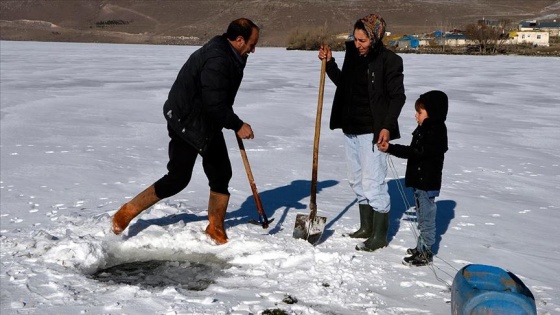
(82, 131)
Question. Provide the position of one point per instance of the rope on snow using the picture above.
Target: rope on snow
(414, 227)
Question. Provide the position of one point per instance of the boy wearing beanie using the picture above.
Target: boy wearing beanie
(425, 156)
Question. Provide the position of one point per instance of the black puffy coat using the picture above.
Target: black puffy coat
(429, 143)
(200, 102)
(385, 87)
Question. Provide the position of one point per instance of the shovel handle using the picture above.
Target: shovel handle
(313, 199)
(258, 202)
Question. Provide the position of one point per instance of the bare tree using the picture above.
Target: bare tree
(507, 24)
(504, 27)
(486, 37)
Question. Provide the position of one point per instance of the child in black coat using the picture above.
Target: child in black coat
(425, 156)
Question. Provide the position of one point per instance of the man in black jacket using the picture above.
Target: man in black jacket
(198, 107)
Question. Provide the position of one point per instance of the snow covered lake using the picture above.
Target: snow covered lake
(82, 131)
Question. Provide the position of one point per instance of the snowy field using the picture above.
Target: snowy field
(82, 131)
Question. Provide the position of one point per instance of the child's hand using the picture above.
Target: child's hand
(383, 146)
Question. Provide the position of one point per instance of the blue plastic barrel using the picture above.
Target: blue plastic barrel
(482, 289)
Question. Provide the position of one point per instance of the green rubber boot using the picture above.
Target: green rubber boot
(378, 238)
(366, 223)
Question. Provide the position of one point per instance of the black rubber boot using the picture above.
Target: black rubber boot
(366, 223)
(418, 259)
(378, 239)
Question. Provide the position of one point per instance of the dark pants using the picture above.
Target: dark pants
(182, 157)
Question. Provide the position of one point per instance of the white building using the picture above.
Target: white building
(535, 38)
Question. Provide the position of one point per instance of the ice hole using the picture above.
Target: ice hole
(195, 273)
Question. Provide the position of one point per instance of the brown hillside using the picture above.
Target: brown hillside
(195, 21)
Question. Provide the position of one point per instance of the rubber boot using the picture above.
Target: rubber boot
(217, 206)
(366, 223)
(131, 209)
(379, 238)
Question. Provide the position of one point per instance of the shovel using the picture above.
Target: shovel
(263, 219)
(310, 227)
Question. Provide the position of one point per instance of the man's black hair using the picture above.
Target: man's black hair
(241, 27)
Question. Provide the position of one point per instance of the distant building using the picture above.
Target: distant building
(550, 26)
(439, 38)
(452, 39)
(406, 42)
(530, 34)
(535, 38)
(490, 23)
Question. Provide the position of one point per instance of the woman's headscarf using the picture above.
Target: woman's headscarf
(375, 27)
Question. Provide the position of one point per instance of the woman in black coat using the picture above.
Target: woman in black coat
(368, 100)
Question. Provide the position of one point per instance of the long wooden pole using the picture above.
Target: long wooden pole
(256, 196)
(313, 198)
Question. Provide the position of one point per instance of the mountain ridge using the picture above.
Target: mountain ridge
(195, 21)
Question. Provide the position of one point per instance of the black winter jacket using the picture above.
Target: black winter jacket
(429, 143)
(385, 86)
(200, 102)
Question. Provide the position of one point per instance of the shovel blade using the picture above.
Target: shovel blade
(310, 230)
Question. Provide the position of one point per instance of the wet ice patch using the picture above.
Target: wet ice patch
(142, 261)
(195, 273)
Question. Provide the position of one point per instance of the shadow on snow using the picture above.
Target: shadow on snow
(401, 203)
(285, 198)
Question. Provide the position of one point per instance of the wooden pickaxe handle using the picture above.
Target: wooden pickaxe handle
(258, 202)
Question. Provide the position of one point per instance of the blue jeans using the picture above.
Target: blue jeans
(367, 169)
(426, 216)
